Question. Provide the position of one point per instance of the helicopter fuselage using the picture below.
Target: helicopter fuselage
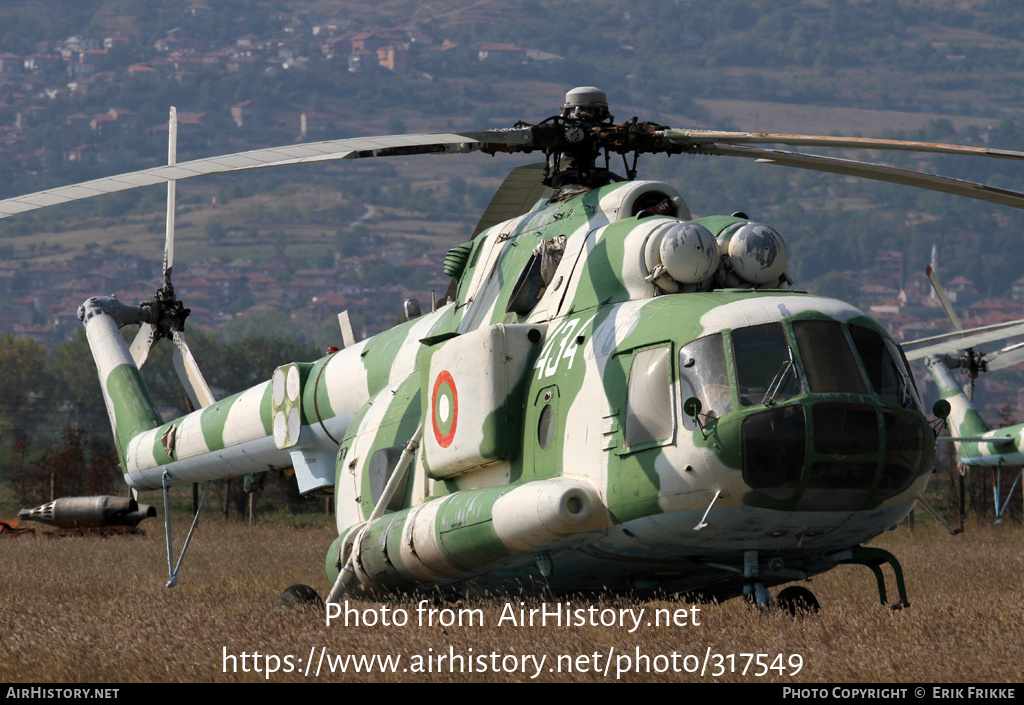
(590, 418)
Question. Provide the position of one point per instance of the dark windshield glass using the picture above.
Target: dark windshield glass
(763, 364)
(885, 369)
(828, 361)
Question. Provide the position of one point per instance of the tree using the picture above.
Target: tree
(75, 381)
(22, 380)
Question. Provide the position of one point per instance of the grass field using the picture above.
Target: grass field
(96, 610)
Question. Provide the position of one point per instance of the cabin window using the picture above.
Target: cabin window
(845, 429)
(528, 289)
(546, 427)
(649, 413)
(703, 374)
(904, 453)
(536, 276)
(837, 486)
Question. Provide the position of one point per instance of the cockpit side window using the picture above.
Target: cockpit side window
(649, 412)
(827, 358)
(884, 366)
(765, 371)
(703, 374)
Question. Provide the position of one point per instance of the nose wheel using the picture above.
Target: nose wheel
(797, 600)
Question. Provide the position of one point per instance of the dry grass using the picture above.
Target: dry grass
(95, 610)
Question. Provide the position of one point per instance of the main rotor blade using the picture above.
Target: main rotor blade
(518, 193)
(330, 150)
(701, 137)
(877, 172)
(961, 339)
(188, 372)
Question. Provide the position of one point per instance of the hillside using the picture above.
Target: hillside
(84, 91)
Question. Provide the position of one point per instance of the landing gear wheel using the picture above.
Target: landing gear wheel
(298, 596)
(797, 600)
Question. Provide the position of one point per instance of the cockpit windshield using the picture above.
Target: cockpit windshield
(771, 365)
(827, 359)
(765, 371)
(885, 367)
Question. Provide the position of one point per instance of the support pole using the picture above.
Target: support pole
(172, 573)
(404, 462)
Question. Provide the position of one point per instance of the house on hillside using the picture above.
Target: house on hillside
(393, 57)
(11, 63)
(115, 119)
(502, 53)
(372, 41)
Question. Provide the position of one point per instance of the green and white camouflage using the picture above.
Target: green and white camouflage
(560, 445)
(975, 443)
(613, 396)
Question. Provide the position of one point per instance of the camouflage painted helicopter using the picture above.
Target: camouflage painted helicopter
(614, 396)
(977, 446)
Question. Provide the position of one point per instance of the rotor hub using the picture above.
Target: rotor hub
(586, 103)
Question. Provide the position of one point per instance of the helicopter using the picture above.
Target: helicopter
(976, 444)
(614, 396)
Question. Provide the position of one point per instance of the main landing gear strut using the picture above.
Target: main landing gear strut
(796, 598)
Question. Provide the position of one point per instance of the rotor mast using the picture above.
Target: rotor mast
(573, 141)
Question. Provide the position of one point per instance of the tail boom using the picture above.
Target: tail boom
(975, 443)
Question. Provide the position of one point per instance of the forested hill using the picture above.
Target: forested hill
(85, 86)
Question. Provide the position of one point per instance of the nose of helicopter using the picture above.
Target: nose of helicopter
(818, 414)
(828, 454)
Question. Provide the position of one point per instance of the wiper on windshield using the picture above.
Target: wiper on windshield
(779, 380)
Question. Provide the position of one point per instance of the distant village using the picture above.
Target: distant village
(45, 296)
(48, 294)
(79, 65)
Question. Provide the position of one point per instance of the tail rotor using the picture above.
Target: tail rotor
(164, 316)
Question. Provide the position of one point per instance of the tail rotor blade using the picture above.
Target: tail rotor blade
(188, 372)
(143, 343)
(943, 299)
(172, 159)
(1007, 357)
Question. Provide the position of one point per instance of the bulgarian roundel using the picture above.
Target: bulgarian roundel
(444, 405)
